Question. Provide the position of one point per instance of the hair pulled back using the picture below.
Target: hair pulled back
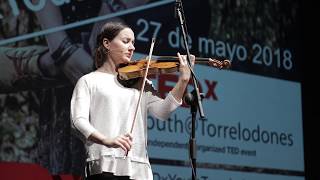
(109, 31)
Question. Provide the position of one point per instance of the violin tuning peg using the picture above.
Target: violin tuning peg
(226, 63)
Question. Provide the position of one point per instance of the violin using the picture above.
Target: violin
(163, 65)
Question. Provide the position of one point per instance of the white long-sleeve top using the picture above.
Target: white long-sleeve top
(100, 103)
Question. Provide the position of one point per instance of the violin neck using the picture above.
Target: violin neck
(198, 60)
(202, 60)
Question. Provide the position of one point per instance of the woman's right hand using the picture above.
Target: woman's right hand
(123, 141)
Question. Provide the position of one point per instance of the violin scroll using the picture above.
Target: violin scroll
(225, 64)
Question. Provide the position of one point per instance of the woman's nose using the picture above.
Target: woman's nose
(131, 47)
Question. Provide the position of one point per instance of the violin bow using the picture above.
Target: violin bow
(142, 86)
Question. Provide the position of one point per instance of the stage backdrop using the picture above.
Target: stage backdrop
(253, 112)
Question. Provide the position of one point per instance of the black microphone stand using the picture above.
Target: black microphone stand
(194, 98)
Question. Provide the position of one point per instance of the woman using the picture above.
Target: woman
(102, 110)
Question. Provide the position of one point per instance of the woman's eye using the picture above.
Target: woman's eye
(127, 41)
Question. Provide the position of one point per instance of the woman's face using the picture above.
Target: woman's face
(121, 48)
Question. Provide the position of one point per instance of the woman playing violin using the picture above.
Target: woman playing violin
(102, 109)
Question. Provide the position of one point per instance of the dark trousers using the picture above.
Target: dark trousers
(107, 176)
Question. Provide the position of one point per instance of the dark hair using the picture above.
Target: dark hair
(109, 30)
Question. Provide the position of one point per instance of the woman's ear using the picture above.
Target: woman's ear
(106, 43)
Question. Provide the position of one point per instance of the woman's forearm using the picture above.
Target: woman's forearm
(179, 89)
(98, 138)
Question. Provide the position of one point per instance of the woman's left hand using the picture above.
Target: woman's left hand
(184, 68)
(185, 72)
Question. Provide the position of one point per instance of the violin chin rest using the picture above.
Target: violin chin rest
(128, 83)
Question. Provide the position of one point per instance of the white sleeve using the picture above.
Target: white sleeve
(80, 108)
(162, 108)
